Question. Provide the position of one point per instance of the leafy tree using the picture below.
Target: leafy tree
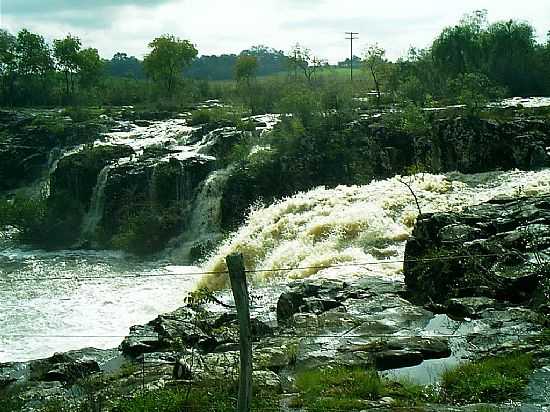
(510, 48)
(34, 65)
(123, 65)
(33, 54)
(213, 67)
(474, 90)
(302, 103)
(374, 62)
(8, 64)
(459, 49)
(245, 72)
(66, 54)
(90, 67)
(357, 62)
(246, 68)
(270, 61)
(301, 59)
(167, 59)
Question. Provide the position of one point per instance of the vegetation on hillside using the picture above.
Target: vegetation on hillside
(502, 58)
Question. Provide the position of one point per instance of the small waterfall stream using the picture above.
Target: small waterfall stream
(97, 203)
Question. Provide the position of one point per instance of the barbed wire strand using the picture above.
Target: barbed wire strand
(283, 269)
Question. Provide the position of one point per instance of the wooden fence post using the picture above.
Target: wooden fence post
(237, 275)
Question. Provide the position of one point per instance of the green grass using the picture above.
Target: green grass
(337, 388)
(212, 396)
(495, 379)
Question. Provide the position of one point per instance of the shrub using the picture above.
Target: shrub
(45, 222)
(148, 230)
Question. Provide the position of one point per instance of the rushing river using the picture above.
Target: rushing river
(41, 314)
(45, 308)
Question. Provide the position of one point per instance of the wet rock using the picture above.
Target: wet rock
(469, 307)
(392, 359)
(475, 145)
(28, 137)
(266, 381)
(142, 339)
(6, 380)
(395, 352)
(495, 250)
(203, 330)
(67, 367)
(220, 142)
(313, 298)
(76, 174)
(168, 182)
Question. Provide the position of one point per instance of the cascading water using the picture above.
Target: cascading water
(97, 203)
(204, 222)
(358, 224)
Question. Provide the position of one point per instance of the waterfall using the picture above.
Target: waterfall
(205, 219)
(356, 224)
(206, 216)
(97, 203)
(152, 183)
(184, 190)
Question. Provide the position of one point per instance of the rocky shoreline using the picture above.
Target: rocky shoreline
(437, 316)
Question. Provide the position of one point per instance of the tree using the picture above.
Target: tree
(90, 67)
(66, 53)
(168, 58)
(301, 59)
(8, 64)
(33, 54)
(34, 65)
(510, 48)
(123, 65)
(459, 49)
(374, 62)
(474, 90)
(270, 61)
(246, 68)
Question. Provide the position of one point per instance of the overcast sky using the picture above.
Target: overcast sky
(229, 26)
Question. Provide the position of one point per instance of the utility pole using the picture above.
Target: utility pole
(351, 38)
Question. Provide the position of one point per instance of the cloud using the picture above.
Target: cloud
(225, 26)
(52, 7)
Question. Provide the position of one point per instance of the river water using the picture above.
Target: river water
(45, 309)
(41, 314)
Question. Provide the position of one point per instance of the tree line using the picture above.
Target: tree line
(469, 59)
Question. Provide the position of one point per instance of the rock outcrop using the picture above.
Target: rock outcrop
(497, 250)
(28, 137)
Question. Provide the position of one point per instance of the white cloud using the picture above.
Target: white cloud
(228, 26)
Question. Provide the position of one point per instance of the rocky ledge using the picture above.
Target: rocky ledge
(491, 254)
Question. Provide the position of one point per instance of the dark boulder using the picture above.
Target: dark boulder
(311, 297)
(76, 174)
(495, 250)
(186, 326)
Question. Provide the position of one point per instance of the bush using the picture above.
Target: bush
(301, 102)
(148, 230)
(45, 222)
(410, 119)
